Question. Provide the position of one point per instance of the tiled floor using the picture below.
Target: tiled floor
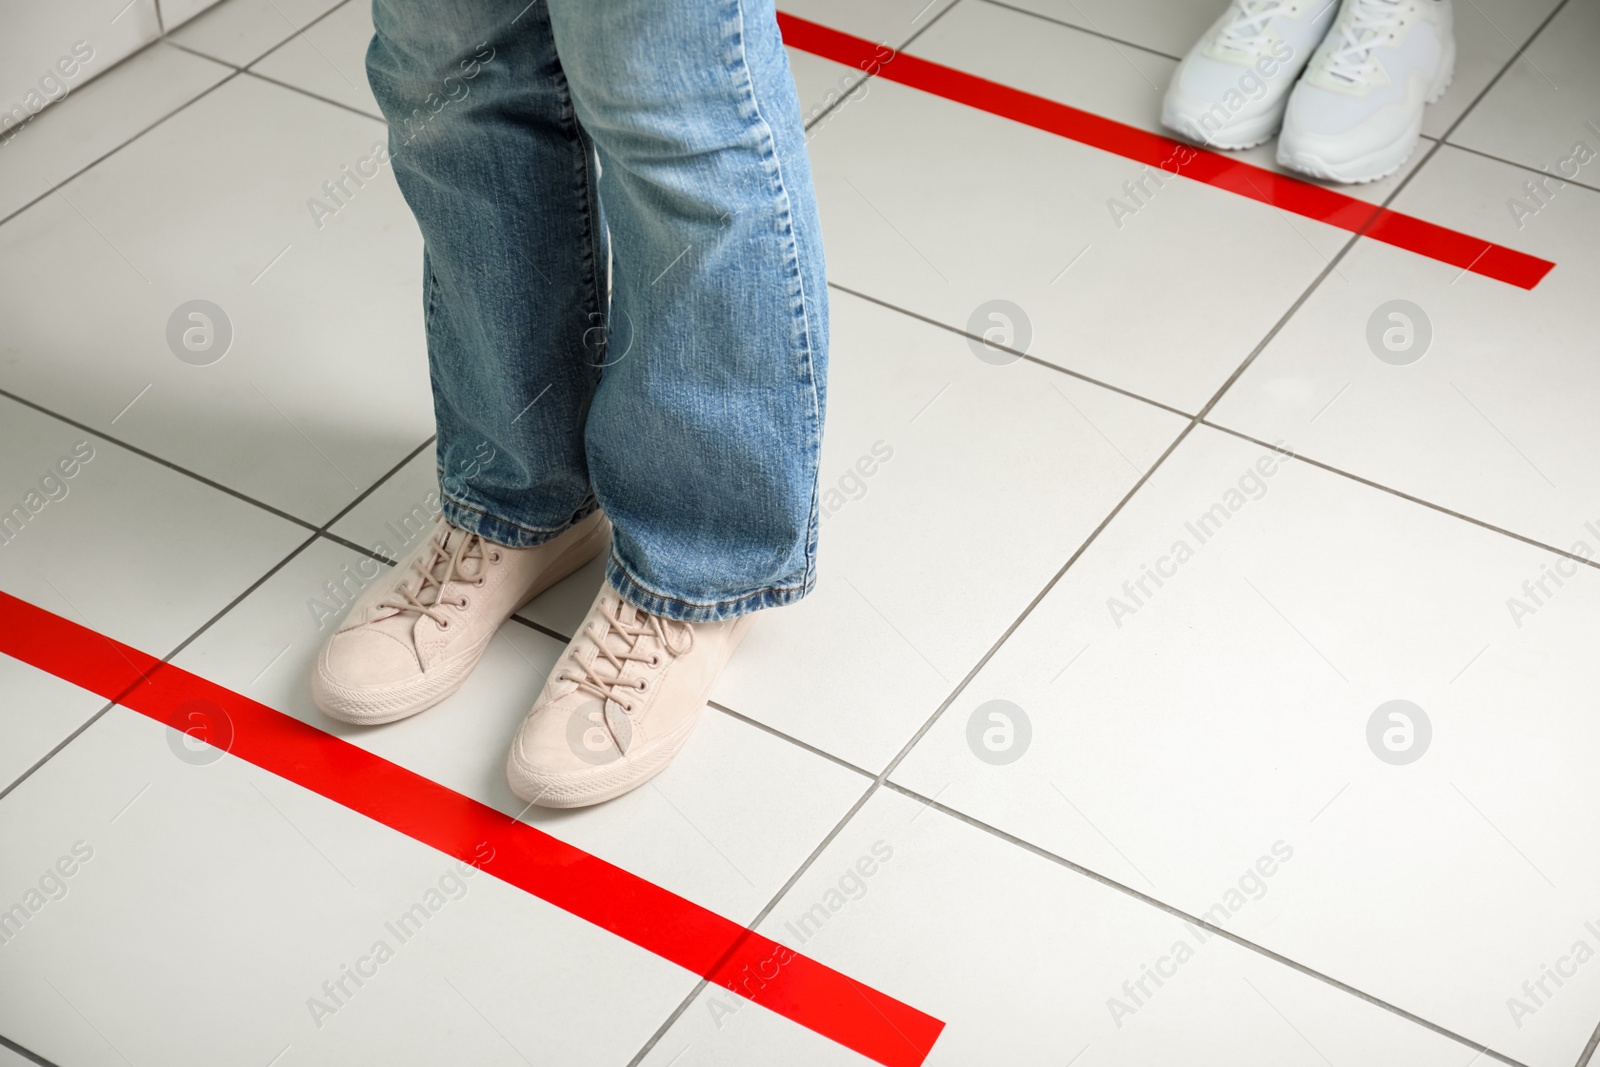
(1196, 848)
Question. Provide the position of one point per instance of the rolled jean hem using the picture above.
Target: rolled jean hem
(505, 532)
(680, 610)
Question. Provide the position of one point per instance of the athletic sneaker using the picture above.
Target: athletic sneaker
(412, 639)
(1357, 113)
(1232, 87)
(621, 701)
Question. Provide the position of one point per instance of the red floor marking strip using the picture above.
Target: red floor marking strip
(815, 996)
(1213, 168)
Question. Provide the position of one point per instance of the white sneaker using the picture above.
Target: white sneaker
(1357, 113)
(411, 641)
(1232, 87)
(621, 701)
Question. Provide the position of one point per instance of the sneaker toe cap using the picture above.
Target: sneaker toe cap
(365, 657)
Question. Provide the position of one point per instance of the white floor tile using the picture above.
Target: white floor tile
(38, 37)
(394, 517)
(984, 208)
(1489, 34)
(1178, 732)
(821, 85)
(329, 58)
(1544, 104)
(1168, 27)
(820, 82)
(97, 118)
(215, 900)
(175, 13)
(889, 22)
(1021, 959)
(128, 548)
(38, 712)
(954, 489)
(1495, 420)
(725, 825)
(241, 31)
(324, 387)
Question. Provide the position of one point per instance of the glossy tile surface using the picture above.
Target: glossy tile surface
(1128, 676)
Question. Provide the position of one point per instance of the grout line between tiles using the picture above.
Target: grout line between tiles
(165, 39)
(1161, 905)
(1194, 420)
(152, 457)
(297, 32)
(1516, 54)
(1481, 523)
(1209, 424)
(97, 716)
(1523, 166)
(1012, 351)
(701, 983)
(816, 120)
(307, 92)
(25, 1053)
(1588, 1050)
(1084, 29)
(235, 602)
(111, 152)
(880, 779)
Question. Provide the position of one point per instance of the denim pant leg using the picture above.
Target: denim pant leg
(500, 175)
(704, 436)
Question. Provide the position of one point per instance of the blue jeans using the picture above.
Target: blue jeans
(625, 298)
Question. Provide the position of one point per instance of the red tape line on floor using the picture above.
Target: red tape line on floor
(815, 996)
(1213, 168)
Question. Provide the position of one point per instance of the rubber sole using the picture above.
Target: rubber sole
(1382, 162)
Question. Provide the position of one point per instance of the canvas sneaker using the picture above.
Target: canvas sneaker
(1230, 90)
(1357, 113)
(410, 641)
(619, 704)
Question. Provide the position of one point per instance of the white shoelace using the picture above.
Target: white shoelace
(1369, 24)
(677, 639)
(444, 562)
(1247, 31)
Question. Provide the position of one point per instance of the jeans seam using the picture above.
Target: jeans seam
(588, 196)
(765, 591)
(554, 531)
(814, 434)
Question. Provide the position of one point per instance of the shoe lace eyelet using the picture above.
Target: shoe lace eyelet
(655, 660)
(494, 557)
(463, 603)
(443, 624)
(640, 685)
(479, 583)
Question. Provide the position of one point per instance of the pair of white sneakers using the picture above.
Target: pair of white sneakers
(619, 704)
(1347, 109)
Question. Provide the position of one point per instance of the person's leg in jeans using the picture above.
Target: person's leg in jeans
(705, 433)
(702, 439)
(488, 152)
